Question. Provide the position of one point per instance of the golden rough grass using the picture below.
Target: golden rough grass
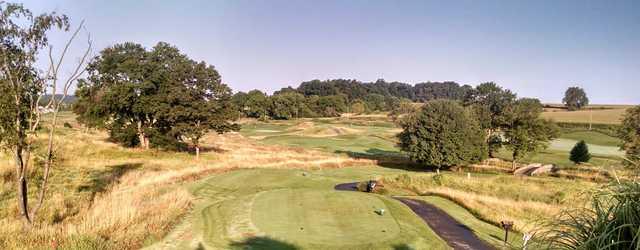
(601, 116)
(494, 198)
(134, 196)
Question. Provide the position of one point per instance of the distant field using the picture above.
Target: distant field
(598, 114)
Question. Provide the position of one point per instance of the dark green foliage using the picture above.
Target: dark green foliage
(526, 131)
(125, 135)
(491, 105)
(288, 105)
(239, 100)
(438, 90)
(629, 132)
(404, 106)
(331, 106)
(612, 222)
(160, 96)
(375, 102)
(256, 104)
(575, 98)
(442, 134)
(580, 153)
(353, 89)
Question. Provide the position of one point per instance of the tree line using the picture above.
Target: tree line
(330, 98)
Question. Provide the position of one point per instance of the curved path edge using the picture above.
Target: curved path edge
(449, 229)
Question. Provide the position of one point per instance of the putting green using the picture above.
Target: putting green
(323, 217)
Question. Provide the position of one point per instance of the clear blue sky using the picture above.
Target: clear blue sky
(536, 48)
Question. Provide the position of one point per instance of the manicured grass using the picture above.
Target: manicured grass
(350, 138)
(323, 217)
(592, 137)
(559, 157)
(565, 145)
(267, 208)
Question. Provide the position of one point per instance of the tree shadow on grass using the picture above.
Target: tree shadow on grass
(263, 243)
(387, 159)
(100, 180)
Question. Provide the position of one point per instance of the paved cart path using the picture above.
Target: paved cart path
(453, 232)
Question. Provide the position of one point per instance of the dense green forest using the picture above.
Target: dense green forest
(333, 97)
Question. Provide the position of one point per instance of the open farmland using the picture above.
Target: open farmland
(596, 114)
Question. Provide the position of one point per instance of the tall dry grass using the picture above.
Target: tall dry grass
(494, 198)
(103, 196)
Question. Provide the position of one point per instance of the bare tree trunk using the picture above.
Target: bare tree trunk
(197, 152)
(144, 141)
(55, 103)
(48, 162)
(23, 198)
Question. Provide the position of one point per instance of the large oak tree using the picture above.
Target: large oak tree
(575, 98)
(442, 134)
(156, 97)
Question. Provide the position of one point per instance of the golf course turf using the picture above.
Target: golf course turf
(299, 209)
(453, 232)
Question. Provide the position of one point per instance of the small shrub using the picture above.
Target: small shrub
(67, 125)
(580, 153)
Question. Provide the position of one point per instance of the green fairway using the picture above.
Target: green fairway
(379, 140)
(567, 144)
(338, 136)
(295, 209)
(592, 137)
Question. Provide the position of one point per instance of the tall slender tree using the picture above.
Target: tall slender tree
(23, 36)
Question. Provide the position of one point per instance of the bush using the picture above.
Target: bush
(580, 153)
(612, 222)
(67, 125)
(443, 134)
